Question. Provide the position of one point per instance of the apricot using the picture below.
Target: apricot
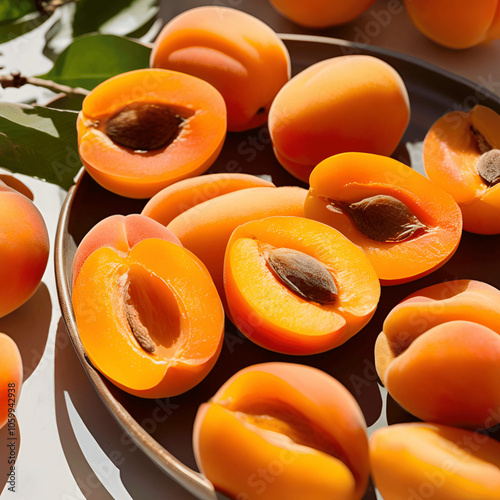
(407, 225)
(438, 347)
(170, 202)
(456, 24)
(321, 13)
(24, 248)
(206, 228)
(283, 430)
(11, 377)
(304, 285)
(462, 155)
(348, 103)
(151, 320)
(121, 233)
(237, 53)
(421, 460)
(141, 131)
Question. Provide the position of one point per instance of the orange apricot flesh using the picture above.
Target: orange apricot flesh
(453, 149)
(11, 377)
(351, 178)
(121, 233)
(288, 431)
(140, 172)
(270, 312)
(206, 228)
(427, 460)
(242, 57)
(24, 248)
(343, 104)
(150, 321)
(170, 202)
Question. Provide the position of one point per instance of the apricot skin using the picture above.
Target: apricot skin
(348, 103)
(24, 249)
(11, 376)
(321, 13)
(121, 233)
(424, 460)
(238, 54)
(170, 202)
(292, 421)
(456, 24)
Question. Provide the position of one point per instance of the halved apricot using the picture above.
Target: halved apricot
(407, 225)
(462, 155)
(417, 460)
(141, 131)
(121, 233)
(170, 202)
(205, 229)
(297, 286)
(283, 430)
(11, 377)
(150, 321)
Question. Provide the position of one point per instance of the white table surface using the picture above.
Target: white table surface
(70, 447)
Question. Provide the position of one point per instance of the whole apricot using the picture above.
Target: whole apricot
(348, 103)
(243, 58)
(321, 13)
(24, 249)
(457, 24)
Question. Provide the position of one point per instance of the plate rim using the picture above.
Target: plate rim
(193, 481)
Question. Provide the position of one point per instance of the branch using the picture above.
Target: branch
(16, 80)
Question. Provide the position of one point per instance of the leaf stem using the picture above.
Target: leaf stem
(17, 80)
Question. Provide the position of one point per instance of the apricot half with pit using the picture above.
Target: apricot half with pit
(141, 131)
(297, 286)
(151, 321)
(462, 155)
(283, 430)
(407, 225)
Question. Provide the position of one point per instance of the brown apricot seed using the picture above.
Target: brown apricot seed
(143, 126)
(138, 329)
(488, 166)
(383, 218)
(302, 274)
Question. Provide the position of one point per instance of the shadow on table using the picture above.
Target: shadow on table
(29, 327)
(103, 460)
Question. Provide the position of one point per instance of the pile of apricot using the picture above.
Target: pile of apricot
(297, 270)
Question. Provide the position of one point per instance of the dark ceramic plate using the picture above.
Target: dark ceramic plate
(433, 92)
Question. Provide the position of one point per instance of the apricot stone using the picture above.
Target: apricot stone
(24, 248)
(348, 103)
(295, 423)
(238, 54)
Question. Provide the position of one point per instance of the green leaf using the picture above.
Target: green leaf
(20, 27)
(39, 142)
(11, 10)
(118, 17)
(91, 59)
